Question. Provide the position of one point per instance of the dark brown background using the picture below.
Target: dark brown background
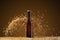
(12, 8)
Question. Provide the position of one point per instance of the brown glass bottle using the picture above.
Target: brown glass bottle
(28, 34)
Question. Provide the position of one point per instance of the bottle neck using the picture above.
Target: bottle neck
(28, 16)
